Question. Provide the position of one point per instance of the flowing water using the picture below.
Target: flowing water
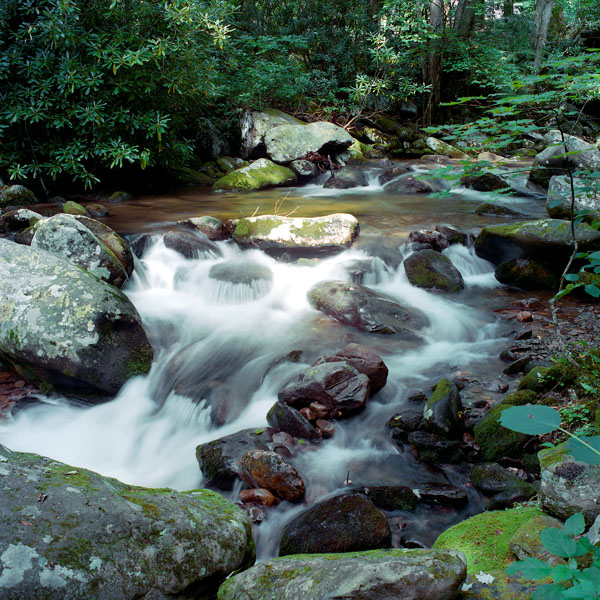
(219, 343)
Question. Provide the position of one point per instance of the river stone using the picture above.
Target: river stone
(504, 487)
(284, 417)
(17, 220)
(286, 143)
(344, 523)
(16, 195)
(547, 240)
(191, 244)
(348, 177)
(441, 147)
(338, 386)
(304, 168)
(254, 125)
(266, 469)
(218, 460)
(558, 202)
(526, 274)
(486, 182)
(74, 208)
(443, 494)
(392, 173)
(437, 240)
(303, 236)
(97, 211)
(373, 575)
(71, 533)
(526, 543)
(412, 183)
(431, 270)
(442, 414)
(493, 209)
(391, 497)
(65, 236)
(405, 422)
(496, 441)
(62, 326)
(435, 448)
(211, 227)
(260, 174)
(568, 486)
(358, 306)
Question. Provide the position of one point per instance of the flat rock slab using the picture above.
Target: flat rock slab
(71, 533)
(374, 575)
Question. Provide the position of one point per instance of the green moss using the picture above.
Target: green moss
(520, 398)
(260, 174)
(73, 208)
(495, 440)
(140, 361)
(484, 539)
(535, 381)
(551, 456)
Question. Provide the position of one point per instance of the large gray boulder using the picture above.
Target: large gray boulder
(358, 306)
(62, 326)
(71, 533)
(373, 575)
(300, 236)
(255, 124)
(291, 142)
(558, 202)
(68, 237)
(16, 195)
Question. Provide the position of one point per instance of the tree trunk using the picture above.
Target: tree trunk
(464, 18)
(432, 67)
(543, 14)
(508, 8)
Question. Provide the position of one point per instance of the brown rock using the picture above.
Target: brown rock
(524, 316)
(258, 496)
(308, 414)
(327, 428)
(320, 411)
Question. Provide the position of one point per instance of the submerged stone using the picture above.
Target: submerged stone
(431, 270)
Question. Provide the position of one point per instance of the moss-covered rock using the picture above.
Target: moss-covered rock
(443, 412)
(73, 208)
(526, 541)
(495, 440)
(119, 196)
(527, 275)
(485, 539)
(558, 202)
(431, 270)
(495, 209)
(441, 147)
(61, 325)
(255, 124)
(543, 379)
(520, 398)
(504, 487)
(70, 533)
(372, 575)
(16, 195)
(260, 174)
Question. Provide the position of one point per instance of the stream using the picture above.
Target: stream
(230, 338)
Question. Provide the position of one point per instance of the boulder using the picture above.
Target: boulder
(494, 209)
(442, 414)
(431, 270)
(568, 486)
(284, 417)
(486, 182)
(526, 542)
(558, 202)
(546, 240)
(69, 238)
(374, 575)
(97, 211)
(17, 220)
(405, 422)
(286, 143)
(259, 174)
(191, 244)
(441, 147)
(412, 183)
(391, 497)
(443, 494)
(218, 460)
(358, 306)
(434, 448)
(266, 469)
(16, 195)
(305, 169)
(345, 523)
(74, 208)
(499, 483)
(437, 240)
(71, 533)
(495, 440)
(337, 386)
(119, 196)
(255, 124)
(211, 227)
(526, 274)
(348, 177)
(243, 273)
(301, 236)
(64, 327)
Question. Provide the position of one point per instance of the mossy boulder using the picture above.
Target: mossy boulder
(545, 240)
(485, 539)
(119, 196)
(442, 414)
(298, 236)
(71, 533)
(431, 270)
(434, 448)
(391, 497)
(526, 274)
(568, 486)
(255, 124)
(358, 306)
(495, 440)
(526, 541)
(543, 379)
(501, 485)
(520, 398)
(16, 195)
(348, 177)
(261, 173)
(74, 208)
(558, 202)
(495, 209)
(371, 575)
(441, 147)
(344, 523)
(62, 326)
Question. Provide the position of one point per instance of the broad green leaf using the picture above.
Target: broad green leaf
(530, 568)
(549, 591)
(559, 543)
(571, 277)
(530, 419)
(575, 524)
(562, 573)
(592, 290)
(582, 452)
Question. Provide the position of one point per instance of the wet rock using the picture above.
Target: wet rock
(88, 351)
(266, 469)
(495, 209)
(543, 379)
(391, 497)
(364, 361)
(390, 255)
(191, 245)
(305, 169)
(286, 418)
(358, 306)
(218, 460)
(338, 386)
(406, 574)
(526, 274)
(118, 197)
(437, 240)
(73, 208)
(431, 270)
(486, 182)
(301, 236)
(441, 147)
(97, 211)
(412, 183)
(443, 494)
(504, 487)
(442, 414)
(392, 173)
(547, 240)
(558, 202)
(16, 195)
(496, 441)
(320, 410)
(94, 535)
(405, 422)
(255, 124)
(141, 243)
(345, 523)
(327, 428)
(434, 448)
(259, 496)
(348, 177)
(247, 273)
(568, 486)
(452, 234)
(211, 227)
(262, 173)
(17, 220)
